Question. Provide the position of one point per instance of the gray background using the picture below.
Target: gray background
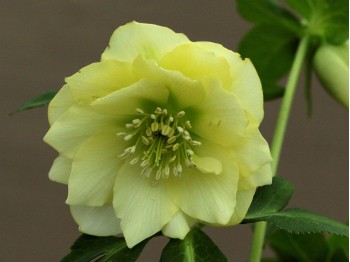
(41, 42)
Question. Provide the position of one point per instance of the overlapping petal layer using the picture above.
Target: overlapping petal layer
(97, 221)
(133, 39)
(142, 207)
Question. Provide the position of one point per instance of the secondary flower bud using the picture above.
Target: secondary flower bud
(160, 134)
(331, 64)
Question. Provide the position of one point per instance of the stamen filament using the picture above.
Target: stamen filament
(164, 142)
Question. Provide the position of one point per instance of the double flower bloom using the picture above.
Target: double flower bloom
(161, 134)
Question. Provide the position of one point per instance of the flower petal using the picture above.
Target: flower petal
(259, 177)
(97, 221)
(60, 103)
(144, 208)
(76, 125)
(254, 160)
(246, 84)
(174, 81)
(207, 164)
(196, 63)
(207, 197)
(144, 94)
(244, 199)
(220, 117)
(94, 170)
(99, 79)
(150, 41)
(61, 169)
(179, 226)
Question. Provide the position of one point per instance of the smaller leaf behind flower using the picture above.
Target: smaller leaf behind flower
(293, 247)
(112, 249)
(38, 101)
(338, 249)
(308, 247)
(270, 198)
(268, 202)
(299, 221)
(267, 12)
(271, 49)
(327, 19)
(196, 247)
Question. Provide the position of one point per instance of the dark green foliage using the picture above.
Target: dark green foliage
(267, 206)
(308, 247)
(196, 247)
(271, 44)
(107, 249)
(327, 19)
(267, 12)
(270, 198)
(38, 101)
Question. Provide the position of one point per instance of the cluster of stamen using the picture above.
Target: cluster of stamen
(162, 143)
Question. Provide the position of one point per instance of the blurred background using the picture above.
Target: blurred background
(41, 42)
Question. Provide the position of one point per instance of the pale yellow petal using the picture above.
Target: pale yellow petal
(144, 94)
(247, 87)
(144, 208)
(94, 170)
(96, 221)
(61, 169)
(260, 177)
(207, 164)
(206, 196)
(134, 39)
(254, 160)
(184, 92)
(179, 226)
(59, 104)
(99, 79)
(196, 63)
(246, 84)
(244, 199)
(76, 125)
(220, 118)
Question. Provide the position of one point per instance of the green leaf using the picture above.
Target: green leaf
(271, 90)
(112, 249)
(299, 221)
(304, 8)
(270, 198)
(196, 247)
(268, 259)
(302, 248)
(268, 12)
(338, 249)
(328, 19)
(272, 54)
(38, 101)
(308, 247)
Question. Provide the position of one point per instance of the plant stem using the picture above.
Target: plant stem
(277, 141)
(286, 105)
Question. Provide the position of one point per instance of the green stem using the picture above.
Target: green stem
(277, 141)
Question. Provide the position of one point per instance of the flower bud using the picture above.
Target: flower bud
(331, 64)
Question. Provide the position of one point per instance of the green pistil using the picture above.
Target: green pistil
(162, 143)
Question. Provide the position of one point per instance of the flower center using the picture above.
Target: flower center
(162, 143)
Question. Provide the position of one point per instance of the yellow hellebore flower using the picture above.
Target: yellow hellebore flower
(331, 64)
(160, 134)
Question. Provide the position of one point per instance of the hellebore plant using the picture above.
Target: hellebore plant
(162, 136)
(159, 136)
